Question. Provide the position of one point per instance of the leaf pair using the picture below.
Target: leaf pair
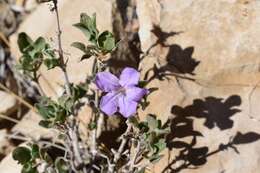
(34, 53)
(55, 113)
(152, 135)
(102, 43)
(28, 157)
(32, 156)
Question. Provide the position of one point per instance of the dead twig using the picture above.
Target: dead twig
(20, 99)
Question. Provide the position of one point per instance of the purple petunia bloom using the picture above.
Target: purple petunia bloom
(122, 94)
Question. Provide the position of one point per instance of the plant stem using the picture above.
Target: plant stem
(97, 119)
(60, 50)
(9, 119)
(123, 142)
(134, 157)
(20, 99)
(72, 128)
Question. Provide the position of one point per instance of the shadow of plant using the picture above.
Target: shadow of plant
(178, 60)
(217, 112)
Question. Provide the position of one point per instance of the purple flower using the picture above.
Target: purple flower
(122, 94)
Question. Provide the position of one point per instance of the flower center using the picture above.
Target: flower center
(121, 90)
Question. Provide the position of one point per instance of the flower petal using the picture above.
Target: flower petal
(109, 103)
(129, 77)
(106, 81)
(127, 107)
(135, 94)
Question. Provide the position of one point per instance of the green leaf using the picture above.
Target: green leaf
(83, 28)
(45, 156)
(66, 102)
(22, 155)
(92, 125)
(162, 131)
(88, 51)
(61, 116)
(152, 122)
(79, 46)
(133, 120)
(50, 53)
(85, 56)
(88, 26)
(79, 91)
(28, 168)
(51, 63)
(106, 41)
(155, 158)
(61, 165)
(26, 63)
(39, 44)
(35, 151)
(143, 126)
(45, 110)
(24, 41)
(141, 171)
(160, 145)
(46, 124)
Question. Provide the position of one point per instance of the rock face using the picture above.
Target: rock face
(8, 165)
(8, 104)
(29, 127)
(207, 57)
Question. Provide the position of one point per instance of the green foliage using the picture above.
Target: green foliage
(152, 134)
(106, 41)
(61, 165)
(22, 155)
(33, 156)
(51, 112)
(33, 55)
(101, 43)
(54, 113)
(88, 26)
(30, 156)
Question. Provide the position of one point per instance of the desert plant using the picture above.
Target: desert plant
(140, 145)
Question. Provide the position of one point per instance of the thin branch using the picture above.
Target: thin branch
(60, 50)
(123, 143)
(4, 39)
(18, 98)
(72, 128)
(9, 118)
(28, 139)
(134, 157)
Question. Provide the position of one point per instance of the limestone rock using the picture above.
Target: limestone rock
(8, 104)
(8, 165)
(5, 146)
(203, 56)
(29, 127)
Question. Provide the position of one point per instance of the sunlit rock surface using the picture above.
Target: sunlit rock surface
(212, 51)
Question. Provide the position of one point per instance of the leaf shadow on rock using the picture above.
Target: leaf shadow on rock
(179, 61)
(183, 136)
(215, 111)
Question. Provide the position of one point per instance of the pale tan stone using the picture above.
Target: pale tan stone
(225, 42)
(29, 127)
(8, 104)
(8, 165)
